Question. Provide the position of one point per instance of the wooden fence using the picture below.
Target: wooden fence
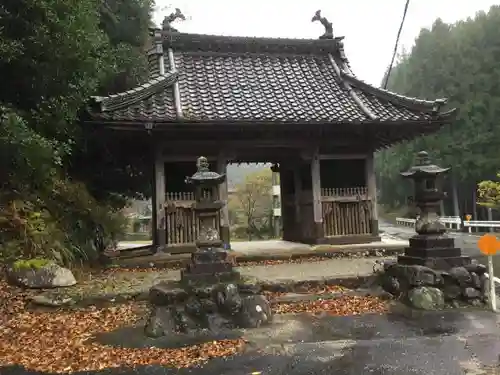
(346, 211)
(182, 224)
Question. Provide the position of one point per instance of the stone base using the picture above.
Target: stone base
(431, 242)
(194, 279)
(439, 263)
(426, 288)
(203, 256)
(216, 309)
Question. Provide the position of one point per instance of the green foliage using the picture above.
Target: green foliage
(460, 62)
(250, 207)
(54, 54)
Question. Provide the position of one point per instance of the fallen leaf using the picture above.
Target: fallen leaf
(343, 305)
(58, 341)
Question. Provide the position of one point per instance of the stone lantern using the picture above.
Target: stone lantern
(209, 263)
(431, 246)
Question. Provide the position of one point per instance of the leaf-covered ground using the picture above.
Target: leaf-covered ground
(60, 340)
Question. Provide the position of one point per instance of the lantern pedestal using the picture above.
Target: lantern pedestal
(210, 263)
(432, 273)
(211, 301)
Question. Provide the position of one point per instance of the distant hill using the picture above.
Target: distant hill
(236, 173)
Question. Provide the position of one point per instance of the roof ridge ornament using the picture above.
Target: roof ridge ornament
(326, 24)
(166, 25)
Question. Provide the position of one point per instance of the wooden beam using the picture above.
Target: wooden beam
(297, 182)
(159, 189)
(223, 196)
(342, 156)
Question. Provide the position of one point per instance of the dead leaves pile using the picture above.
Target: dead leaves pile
(61, 341)
(342, 306)
(309, 289)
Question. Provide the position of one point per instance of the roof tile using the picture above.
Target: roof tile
(271, 87)
(239, 83)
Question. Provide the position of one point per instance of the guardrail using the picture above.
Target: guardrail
(453, 222)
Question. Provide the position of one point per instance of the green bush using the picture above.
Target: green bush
(61, 227)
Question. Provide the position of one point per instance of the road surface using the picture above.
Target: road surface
(426, 343)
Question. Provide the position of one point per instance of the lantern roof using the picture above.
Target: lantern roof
(424, 167)
(204, 176)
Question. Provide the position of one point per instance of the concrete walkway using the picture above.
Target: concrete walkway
(274, 250)
(266, 246)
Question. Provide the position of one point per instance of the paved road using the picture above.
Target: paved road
(432, 343)
(467, 242)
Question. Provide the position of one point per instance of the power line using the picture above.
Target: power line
(396, 45)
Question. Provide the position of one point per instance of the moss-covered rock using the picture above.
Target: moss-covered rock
(39, 274)
(33, 264)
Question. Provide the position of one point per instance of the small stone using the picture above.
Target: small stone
(461, 276)
(209, 306)
(194, 307)
(476, 302)
(391, 285)
(43, 300)
(255, 311)
(217, 323)
(388, 264)
(470, 293)
(426, 298)
(414, 275)
(162, 294)
(161, 322)
(249, 289)
(451, 292)
(228, 299)
(476, 281)
(477, 268)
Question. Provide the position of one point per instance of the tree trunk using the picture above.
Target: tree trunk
(454, 195)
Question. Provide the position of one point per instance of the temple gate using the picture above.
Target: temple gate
(292, 102)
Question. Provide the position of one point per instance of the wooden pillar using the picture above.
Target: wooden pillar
(297, 183)
(225, 234)
(316, 192)
(287, 206)
(158, 202)
(372, 192)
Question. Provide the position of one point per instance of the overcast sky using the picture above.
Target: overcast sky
(369, 26)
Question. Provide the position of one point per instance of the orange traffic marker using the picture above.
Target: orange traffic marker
(488, 244)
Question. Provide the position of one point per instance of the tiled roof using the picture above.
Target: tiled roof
(151, 101)
(260, 80)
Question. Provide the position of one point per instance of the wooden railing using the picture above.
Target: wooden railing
(345, 193)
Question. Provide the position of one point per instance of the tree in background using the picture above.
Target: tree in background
(54, 54)
(489, 193)
(251, 208)
(460, 62)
